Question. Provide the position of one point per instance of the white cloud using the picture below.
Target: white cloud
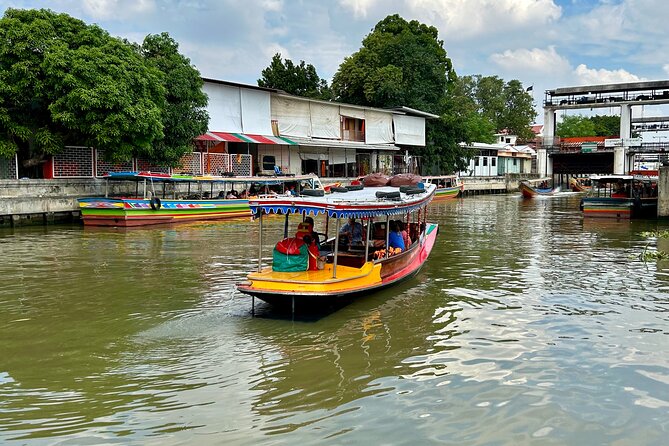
(461, 19)
(106, 9)
(360, 8)
(534, 60)
(272, 5)
(590, 76)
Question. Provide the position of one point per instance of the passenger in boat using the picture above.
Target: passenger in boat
(395, 239)
(403, 231)
(232, 194)
(314, 234)
(351, 232)
(244, 194)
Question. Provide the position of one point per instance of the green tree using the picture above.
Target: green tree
(400, 63)
(404, 63)
(606, 125)
(507, 105)
(184, 115)
(572, 126)
(300, 80)
(64, 82)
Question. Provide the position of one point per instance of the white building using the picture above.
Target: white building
(263, 128)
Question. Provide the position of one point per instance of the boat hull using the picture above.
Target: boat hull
(619, 208)
(124, 212)
(447, 193)
(529, 191)
(317, 286)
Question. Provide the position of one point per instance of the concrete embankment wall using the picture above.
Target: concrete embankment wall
(44, 201)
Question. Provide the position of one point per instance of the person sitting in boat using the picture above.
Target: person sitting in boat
(403, 231)
(351, 232)
(232, 194)
(395, 239)
(314, 234)
(244, 194)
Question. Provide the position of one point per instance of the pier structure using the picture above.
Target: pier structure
(615, 156)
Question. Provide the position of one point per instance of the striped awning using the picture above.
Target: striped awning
(245, 137)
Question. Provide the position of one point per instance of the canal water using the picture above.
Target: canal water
(527, 325)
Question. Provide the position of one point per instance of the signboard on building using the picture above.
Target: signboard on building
(588, 147)
(613, 142)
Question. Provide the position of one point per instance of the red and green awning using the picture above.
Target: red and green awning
(245, 137)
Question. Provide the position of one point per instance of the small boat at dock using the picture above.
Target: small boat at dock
(345, 270)
(163, 198)
(448, 186)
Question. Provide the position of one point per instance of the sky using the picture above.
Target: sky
(545, 44)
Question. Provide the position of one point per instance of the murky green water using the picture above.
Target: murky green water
(527, 325)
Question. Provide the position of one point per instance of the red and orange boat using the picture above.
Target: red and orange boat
(345, 271)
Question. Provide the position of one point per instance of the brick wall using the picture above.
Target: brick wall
(102, 167)
(73, 162)
(216, 163)
(190, 163)
(241, 165)
(146, 166)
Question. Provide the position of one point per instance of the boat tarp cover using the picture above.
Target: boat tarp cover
(290, 262)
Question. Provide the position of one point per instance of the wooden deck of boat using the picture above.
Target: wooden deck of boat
(317, 282)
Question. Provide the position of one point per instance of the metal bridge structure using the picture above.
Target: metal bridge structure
(618, 155)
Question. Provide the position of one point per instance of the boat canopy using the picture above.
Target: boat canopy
(362, 203)
(165, 177)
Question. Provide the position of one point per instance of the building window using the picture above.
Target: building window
(476, 162)
(493, 161)
(485, 161)
(515, 162)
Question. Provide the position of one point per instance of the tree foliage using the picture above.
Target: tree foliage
(400, 63)
(65, 82)
(606, 125)
(577, 125)
(300, 80)
(184, 115)
(404, 63)
(506, 105)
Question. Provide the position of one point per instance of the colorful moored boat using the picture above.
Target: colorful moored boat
(530, 191)
(168, 198)
(622, 197)
(346, 271)
(448, 186)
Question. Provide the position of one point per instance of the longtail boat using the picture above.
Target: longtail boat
(580, 184)
(344, 271)
(622, 197)
(163, 198)
(530, 191)
(448, 186)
